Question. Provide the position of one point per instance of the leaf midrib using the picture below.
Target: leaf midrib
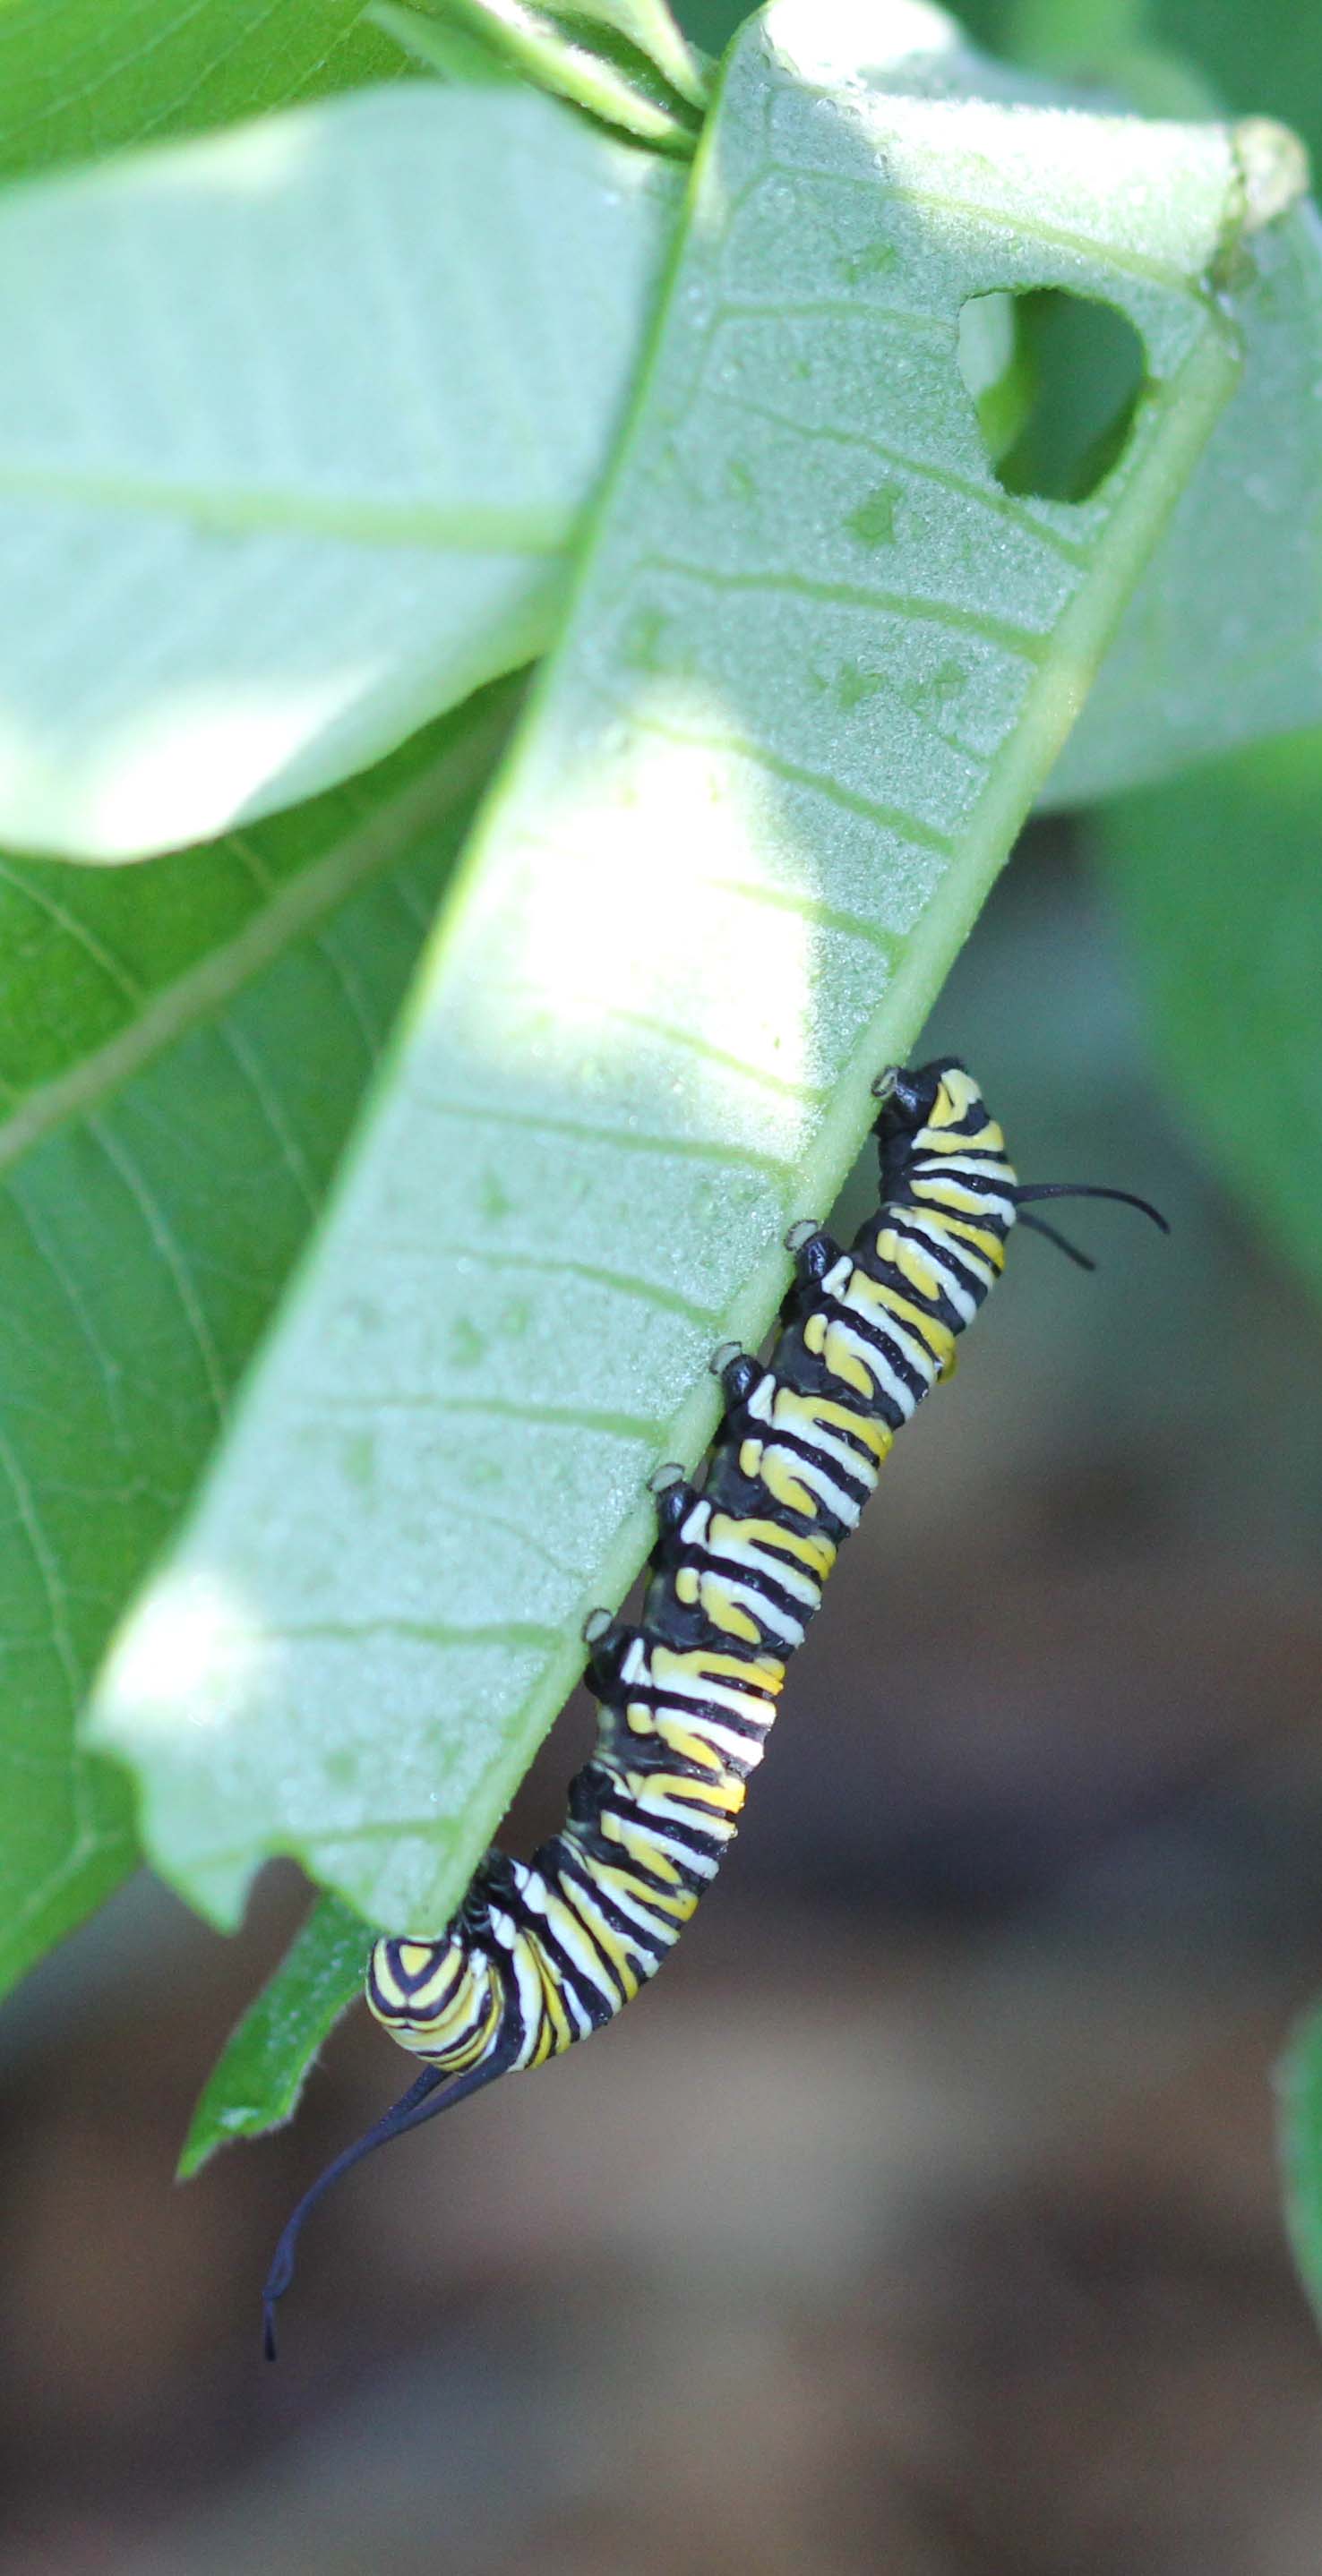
(458, 528)
(203, 989)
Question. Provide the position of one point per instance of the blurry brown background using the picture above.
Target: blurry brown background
(923, 2216)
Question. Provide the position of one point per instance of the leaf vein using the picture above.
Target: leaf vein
(1028, 642)
(644, 1291)
(573, 1417)
(460, 527)
(988, 496)
(173, 1254)
(629, 1140)
(204, 989)
(890, 818)
(689, 1041)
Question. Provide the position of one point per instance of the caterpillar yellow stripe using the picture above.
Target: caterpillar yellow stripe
(545, 1951)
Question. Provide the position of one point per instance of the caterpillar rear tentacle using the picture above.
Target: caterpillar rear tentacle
(543, 1952)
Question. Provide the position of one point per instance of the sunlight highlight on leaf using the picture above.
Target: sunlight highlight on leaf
(690, 813)
(197, 1642)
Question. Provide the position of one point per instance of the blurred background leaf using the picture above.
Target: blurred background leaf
(1299, 2096)
(83, 78)
(1219, 882)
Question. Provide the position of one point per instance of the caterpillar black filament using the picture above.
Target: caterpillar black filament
(545, 1951)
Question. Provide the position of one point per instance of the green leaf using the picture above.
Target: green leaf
(544, 48)
(1222, 642)
(1299, 2098)
(89, 76)
(1072, 32)
(1268, 58)
(182, 1050)
(259, 2076)
(815, 667)
(255, 537)
(1217, 880)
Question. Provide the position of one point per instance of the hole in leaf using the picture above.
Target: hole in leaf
(1055, 380)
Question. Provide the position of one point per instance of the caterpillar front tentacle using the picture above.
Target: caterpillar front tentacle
(674, 1501)
(815, 1252)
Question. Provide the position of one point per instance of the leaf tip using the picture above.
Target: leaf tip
(1273, 166)
(219, 2125)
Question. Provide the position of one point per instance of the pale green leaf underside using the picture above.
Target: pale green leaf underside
(257, 2079)
(816, 665)
(254, 536)
(182, 1049)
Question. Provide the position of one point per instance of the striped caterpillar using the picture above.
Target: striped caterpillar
(543, 1952)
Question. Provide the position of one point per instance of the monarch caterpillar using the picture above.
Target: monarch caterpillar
(543, 1952)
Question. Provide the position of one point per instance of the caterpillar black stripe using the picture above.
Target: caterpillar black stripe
(545, 1951)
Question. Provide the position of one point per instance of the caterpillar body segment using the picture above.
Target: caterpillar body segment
(541, 1953)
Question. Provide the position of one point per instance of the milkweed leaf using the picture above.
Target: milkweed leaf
(815, 666)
